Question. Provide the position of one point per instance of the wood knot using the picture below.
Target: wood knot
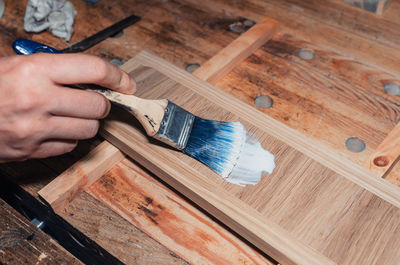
(381, 161)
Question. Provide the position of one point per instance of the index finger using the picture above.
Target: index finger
(77, 68)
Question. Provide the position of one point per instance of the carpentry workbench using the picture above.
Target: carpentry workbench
(323, 73)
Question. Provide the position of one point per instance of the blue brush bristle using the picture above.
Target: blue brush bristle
(216, 144)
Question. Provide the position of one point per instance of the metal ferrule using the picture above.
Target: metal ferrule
(175, 127)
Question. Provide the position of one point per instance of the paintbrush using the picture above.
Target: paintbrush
(214, 143)
(217, 144)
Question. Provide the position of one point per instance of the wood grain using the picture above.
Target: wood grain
(131, 192)
(83, 173)
(23, 243)
(295, 218)
(121, 238)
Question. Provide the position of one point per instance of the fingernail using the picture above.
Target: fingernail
(133, 84)
(108, 108)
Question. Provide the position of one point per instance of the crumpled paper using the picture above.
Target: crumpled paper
(57, 16)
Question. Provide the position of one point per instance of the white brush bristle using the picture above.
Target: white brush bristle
(225, 148)
(216, 144)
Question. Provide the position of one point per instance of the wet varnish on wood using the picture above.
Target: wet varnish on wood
(320, 207)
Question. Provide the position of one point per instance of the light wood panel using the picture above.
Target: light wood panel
(315, 199)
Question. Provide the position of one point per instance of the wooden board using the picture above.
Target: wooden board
(311, 210)
(21, 242)
(131, 192)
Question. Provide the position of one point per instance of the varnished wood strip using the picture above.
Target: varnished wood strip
(386, 154)
(82, 174)
(229, 57)
(139, 198)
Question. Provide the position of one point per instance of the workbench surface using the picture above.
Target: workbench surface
(353, 50)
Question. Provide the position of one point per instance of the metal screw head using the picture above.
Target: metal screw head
(392, 88)
(117, 61)
(192, 67)
(249, 23)
(306, 54)
(263, 101)
(241, 26)
(355, 144)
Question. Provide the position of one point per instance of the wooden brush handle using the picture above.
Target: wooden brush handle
(150, 113)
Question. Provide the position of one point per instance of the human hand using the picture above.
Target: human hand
(39, 117)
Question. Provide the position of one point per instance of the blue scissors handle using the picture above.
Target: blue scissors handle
(25, 47)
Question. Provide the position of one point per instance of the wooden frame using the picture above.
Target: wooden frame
(281, 245)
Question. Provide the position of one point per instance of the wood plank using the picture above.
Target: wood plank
(317, 171)
(23, 243)
(118, 236)
(80, 175)
(241, 48)
(386, 155)
(131, 192)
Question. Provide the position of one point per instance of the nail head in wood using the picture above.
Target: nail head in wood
(392, 88)
(306, 54)
(192, 67)
(264, 101)
(355, 144)
(241, 26)
(117, 61)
